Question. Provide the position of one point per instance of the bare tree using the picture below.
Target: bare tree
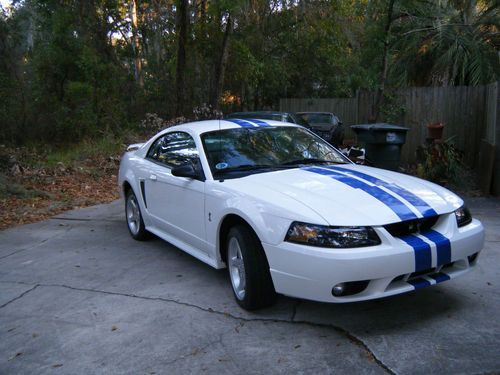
(385, 60)
(220, 67)
(136, 45)
(182, 26)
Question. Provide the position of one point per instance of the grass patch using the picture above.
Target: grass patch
(88, 149)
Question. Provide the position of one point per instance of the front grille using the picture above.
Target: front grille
(404, 228)
(427, 272)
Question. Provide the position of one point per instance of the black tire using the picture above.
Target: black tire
(258, 286)
(135, 226)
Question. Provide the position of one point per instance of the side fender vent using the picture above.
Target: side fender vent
(143, 192)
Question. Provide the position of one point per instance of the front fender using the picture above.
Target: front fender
(269, 220)
(127, 174)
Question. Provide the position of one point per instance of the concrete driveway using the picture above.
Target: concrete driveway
(79, 296)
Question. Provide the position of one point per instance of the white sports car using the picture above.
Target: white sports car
(287, 213)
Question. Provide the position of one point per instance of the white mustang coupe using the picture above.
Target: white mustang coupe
(287, 213)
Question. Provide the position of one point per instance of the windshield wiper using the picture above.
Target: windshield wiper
(311, 161)
(246, 167)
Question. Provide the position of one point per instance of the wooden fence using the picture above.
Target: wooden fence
(466, 111)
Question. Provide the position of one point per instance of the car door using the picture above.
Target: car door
(176, 204)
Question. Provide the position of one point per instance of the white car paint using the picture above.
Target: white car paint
(188, 213)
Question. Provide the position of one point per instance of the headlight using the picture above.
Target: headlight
(463, 216)
(337, 237)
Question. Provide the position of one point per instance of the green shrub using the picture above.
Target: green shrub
(440, 162)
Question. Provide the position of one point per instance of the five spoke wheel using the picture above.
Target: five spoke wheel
(236, 268)
(134, 217)
(248, 269)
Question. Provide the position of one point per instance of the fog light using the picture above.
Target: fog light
(348, 288)
(338, 289)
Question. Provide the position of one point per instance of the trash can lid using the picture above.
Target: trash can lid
(379, 126)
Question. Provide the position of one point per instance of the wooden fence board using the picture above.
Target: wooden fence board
(469, 114)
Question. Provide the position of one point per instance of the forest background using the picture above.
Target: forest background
(80, 78)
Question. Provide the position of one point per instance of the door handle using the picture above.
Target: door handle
(152, 177)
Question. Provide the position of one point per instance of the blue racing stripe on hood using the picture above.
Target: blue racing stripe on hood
(421, 250)
(417, 202)
(398, 207)
(242, 123)
(443, 246)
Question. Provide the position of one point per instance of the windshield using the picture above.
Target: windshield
(236, 152)
(318, 118)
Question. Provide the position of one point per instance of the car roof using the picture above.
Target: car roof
(200, 127)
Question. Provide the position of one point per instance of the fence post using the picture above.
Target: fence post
(495, 185)
(357, 106)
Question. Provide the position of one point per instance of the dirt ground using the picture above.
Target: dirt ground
(32, 193)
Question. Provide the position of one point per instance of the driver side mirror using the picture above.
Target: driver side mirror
(185, 170)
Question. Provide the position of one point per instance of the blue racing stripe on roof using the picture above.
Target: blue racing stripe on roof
(419, 283)
(242, 123)
(417, 202)
(439, 277)
(259, 122)
(398, 207)
(421, 250)
(443, 246)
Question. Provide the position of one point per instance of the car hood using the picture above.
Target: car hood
(352, 195)
(322, 126)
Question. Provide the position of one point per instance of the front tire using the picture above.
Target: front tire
(133, 215)
(248, 269)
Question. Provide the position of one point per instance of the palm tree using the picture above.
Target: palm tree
(446, 42)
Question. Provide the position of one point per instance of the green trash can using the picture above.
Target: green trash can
(382, 142)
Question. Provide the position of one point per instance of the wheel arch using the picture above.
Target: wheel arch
(126, 187)
(229, 221)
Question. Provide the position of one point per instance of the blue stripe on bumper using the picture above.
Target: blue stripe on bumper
(419, 283)
(443, 246)
(421, 250)
(439, 277)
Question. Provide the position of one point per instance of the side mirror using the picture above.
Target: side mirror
(185, 170)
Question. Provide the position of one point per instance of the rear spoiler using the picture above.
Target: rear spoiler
(134, 147)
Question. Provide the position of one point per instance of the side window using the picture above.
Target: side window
(174, 149)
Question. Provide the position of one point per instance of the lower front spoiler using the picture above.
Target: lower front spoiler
(377, 288)
(406, 283)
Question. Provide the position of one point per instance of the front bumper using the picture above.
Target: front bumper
(390, 268)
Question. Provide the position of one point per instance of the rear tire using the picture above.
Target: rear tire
(133, 215)
(248, 269)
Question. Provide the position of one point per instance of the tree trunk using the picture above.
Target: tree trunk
(220, 68)
(136, 45)
(182, 25)
(385, 62)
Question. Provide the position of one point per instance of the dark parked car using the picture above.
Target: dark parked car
(326, 125)
(271, 115)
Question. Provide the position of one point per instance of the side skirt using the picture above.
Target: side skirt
(185, 247)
